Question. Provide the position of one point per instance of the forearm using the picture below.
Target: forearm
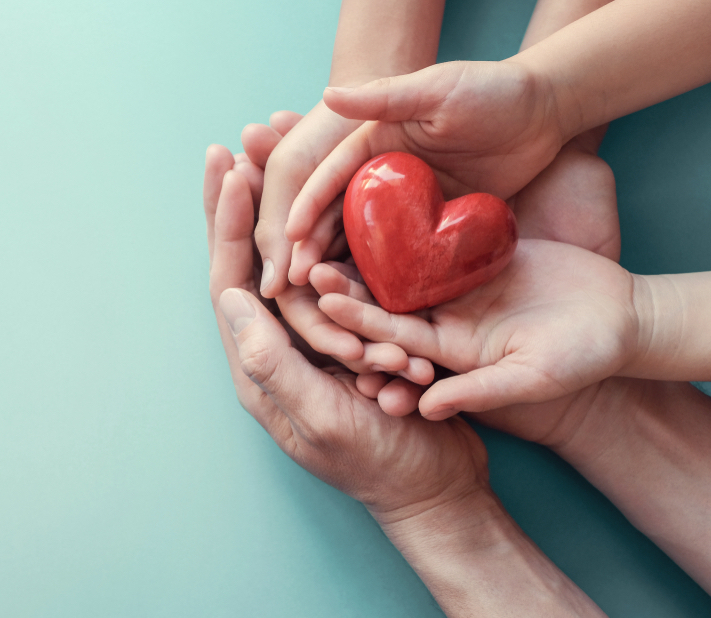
(549, 16)
(674, 341)
(647, 447)
(382, 38)
(476, 561)
(623, 57)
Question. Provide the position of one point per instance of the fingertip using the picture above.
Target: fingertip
(284, 120)
(370, 384)
(434, 407)
(349, 348)
(399, 397)
(249, 130)
(304, 256)
(418, 370)
(215, 151)
(330, 304)
(293, 230)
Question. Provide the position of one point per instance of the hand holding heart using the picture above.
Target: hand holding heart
(482, 126)
(557, 319)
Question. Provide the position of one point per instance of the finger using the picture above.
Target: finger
(309, 251)
(413, 334)
(399, 397)
(385, 357)
(218, 160)
(326, 183)
(259, 141)
(393, 99)
(234, 220)
(284, 121)
(488, 388)
(299, 306)
(255, 178)
(306, 395)
(370, 384)
(328, 279)
(418, 370)
(288, 168)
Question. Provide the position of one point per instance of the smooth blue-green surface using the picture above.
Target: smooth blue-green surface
(131, 483)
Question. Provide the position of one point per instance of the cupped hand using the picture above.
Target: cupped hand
(397, 467)
(482, 126)
(557, 319)
(573, 201)
(294, 158)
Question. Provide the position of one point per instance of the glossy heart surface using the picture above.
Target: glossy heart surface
(413, 249)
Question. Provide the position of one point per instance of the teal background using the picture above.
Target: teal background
(131, 483)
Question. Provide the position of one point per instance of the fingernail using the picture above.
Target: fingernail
(237, 309)
(267, 274)
(441, 412)
(378, 368)
(340, 89)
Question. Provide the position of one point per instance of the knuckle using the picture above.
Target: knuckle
(382, 82)
(324, 433)
(257, 361)
(391, 329)
(263, 235)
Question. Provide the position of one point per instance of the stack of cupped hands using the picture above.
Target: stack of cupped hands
(563, 347)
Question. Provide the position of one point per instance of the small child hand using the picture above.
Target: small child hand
(558, 318)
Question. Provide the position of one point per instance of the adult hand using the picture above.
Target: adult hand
(573, 200)
(426, 485)
(318, 417)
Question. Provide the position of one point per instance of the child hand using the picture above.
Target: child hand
(288, 164)
(557, 319)
(482, 126)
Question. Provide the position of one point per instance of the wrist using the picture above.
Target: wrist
(476, 561)
(567, 111)
(550, 105)
(384, 39)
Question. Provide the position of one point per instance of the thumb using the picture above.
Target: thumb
(415, 96)
(488, 388)
(269, 360)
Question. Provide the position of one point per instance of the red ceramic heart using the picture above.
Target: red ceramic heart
(415, 250)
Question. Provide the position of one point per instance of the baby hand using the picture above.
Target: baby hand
(557, 319)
